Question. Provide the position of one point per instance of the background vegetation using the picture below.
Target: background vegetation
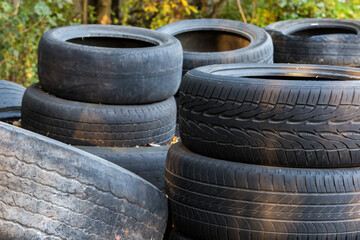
(24, 21)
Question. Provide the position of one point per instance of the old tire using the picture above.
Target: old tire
(10, 100)
(109, 64)
(147, 162)
(50, 190)
(89, 124)
(316, 41)
(215, 199)
(280, 114)
(203, 42)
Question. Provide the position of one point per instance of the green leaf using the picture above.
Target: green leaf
(42, 9)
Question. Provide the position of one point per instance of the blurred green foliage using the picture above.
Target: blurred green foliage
(24, 21)
(264, 12)
(22, 24)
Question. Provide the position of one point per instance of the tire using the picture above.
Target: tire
(200, 32)
(83, 63)
(147, 162)
(175, 235)
(215, 199)
(50, 190)
(89, 124)
(316, 41)
(279, 115)
(10, 100)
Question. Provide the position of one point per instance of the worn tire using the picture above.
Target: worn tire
(260, 49)
(214, 199)
(141, 66)
(89, 124)
(50, 190)
(316, 41)
(279, 114)
(10, 100)
(147, 162)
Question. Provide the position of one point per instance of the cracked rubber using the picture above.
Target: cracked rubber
(138, 66)
(280, 114)
(213, 199)
(260, 49)
(50, 190)
(10, 100)
(88, 124)
(342, 49)
(147, 162)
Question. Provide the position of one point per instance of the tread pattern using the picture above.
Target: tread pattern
(46, 196)
(215, 199)
(286, 123)
(334, 49)
(79, 123)
(10, 100)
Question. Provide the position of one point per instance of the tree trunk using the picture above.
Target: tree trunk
(104, 11)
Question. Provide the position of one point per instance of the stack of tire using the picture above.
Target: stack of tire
(267, 152)
(109, 86)
(316, 41)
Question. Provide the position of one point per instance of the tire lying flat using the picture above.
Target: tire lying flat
(50, 190)
(109, 64)
(316, 41)
(215, 199)
(89, 124)
(10, 100)
(280, 114)
(147, 162)
(212, 33)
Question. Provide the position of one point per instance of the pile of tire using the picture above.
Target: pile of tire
(267, 152)
(109, 86)
(316, 41)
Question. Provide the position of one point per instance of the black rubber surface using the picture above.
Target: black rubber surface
(175, 235)
(109, 64)
(316, 41)
(214, 199)
(219, 41)
(89, 124)
(50, 190)
(10, 100)
(147, 162)
(280, 114)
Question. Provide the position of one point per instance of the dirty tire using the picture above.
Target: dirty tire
(50, 190)
(109, 64)
(280, 114)
(316, 41)
(260, 49)
(215, 199)
(10, 100)
(147, 162)
(89, 124)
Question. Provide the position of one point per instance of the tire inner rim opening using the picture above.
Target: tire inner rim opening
(111, 42)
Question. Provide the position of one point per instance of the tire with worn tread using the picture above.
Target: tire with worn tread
(50, 190)
(316, 41)
(280, 114)
(215, 199)
(109, 64)
(147, 162)
(91, 124)
(220, 41)
(10, 100)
